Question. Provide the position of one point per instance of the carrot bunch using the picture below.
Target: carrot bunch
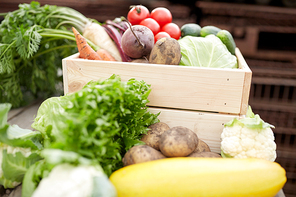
(86, 52)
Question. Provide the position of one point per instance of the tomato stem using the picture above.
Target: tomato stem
(137, 8)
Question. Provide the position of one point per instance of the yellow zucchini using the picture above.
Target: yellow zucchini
(208, 177)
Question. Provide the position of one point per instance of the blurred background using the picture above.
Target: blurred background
(264, 31)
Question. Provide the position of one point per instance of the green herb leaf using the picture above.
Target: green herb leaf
(27, 42)
(33, 41)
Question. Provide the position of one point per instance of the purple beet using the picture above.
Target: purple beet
(137, 43)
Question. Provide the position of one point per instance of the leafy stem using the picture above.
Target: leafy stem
(7, 48)
(52, 49)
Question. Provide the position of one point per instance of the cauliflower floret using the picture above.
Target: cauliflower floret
(242, 142)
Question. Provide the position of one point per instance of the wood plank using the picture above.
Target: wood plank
(247, 82)
(24, 117)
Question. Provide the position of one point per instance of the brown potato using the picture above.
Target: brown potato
(178, 142)
(153, 135)
(166, 51)
(202, 147)
(204, 154)
(140, 154)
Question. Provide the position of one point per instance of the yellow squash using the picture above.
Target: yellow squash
(208, 177)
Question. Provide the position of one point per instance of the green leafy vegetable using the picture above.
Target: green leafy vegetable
(71, 180)
(51, 158)
(100, 122)
(250, 121)
(33, 41)
(19, 149)
(15, 165)
(206, 51)
(33, 176)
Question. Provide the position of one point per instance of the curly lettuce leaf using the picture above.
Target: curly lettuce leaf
(100, 122)
(207, 52)
(250, 121)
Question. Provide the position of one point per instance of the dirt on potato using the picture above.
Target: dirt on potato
(140, 154)
(178, 142)
(153, 135)
(205, 154)
(166, 51)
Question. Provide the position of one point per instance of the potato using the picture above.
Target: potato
(140, 154)
(178, 142)
(166, 51)
(140, 60)
(202, 147)
(153, 135)
(204, 154)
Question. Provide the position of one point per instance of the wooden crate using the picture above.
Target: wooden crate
(180, 87)
(202, 99)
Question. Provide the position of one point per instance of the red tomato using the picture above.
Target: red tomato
(161, 15)
(161, 34)
(137, 14)
(151, 24)
(172, 29)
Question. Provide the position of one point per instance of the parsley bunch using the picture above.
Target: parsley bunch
(33, 41)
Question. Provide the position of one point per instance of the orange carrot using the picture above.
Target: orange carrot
(105, 55)
(85, 51)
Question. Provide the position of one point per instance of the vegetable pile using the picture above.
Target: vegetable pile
(34, 39)
(153, 38)
(159, 21)
(102, 140)
(161, 142)
(94, 126)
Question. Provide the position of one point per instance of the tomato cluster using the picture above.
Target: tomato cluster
(159, 21)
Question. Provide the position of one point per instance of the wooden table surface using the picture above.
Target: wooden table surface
(24, 117)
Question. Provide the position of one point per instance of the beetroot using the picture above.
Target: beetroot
(138, 42)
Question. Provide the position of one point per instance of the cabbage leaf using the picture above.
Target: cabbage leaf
(206, 51)
(19, 149)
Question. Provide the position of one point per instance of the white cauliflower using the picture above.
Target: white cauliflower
(67, 180)
(249, 137)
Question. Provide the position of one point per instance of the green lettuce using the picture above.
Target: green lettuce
(100, 122)
(19, 149)
(207, 52)
(53, 104)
